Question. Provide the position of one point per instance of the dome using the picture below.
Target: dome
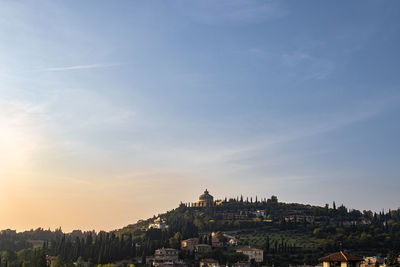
(206, 196)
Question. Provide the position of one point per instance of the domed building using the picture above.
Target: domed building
(205, 200)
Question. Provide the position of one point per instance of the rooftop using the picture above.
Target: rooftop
(340, 256)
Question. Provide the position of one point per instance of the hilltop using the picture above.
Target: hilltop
(268, 223)
(285, 232)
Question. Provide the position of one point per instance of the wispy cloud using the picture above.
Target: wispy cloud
(78, 67)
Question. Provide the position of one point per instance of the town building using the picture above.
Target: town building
(189, 244)
(372, 261)
(261, 213)
(149, 260)
(235, 216)
(205, 200)
(253, 253)
(165, 256)
(209, 263)
(158, 224)
(231, 240)
(216, 243)
(299, 219)
(341, 259)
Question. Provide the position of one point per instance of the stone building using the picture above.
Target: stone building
(205, 200)
(158, 223)
(189, 244)
(253, 253)
(209, 263)
(341, 259)
(165, 256)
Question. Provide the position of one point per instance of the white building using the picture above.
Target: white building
(253, 253)
(158, 224)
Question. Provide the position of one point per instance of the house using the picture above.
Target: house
(233, 241)
(261, 213)
(341, 259)
(253, 253)
(371, 261)
(149, 260)
(201, 248)
(165, 256)
(189, 244)
(215, 242)
(299, 219)
(158, 224)
(209, 263)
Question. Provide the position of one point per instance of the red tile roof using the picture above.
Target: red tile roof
(340, 256)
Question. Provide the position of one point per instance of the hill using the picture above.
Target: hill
(288, 233)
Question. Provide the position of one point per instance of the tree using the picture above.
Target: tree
(234, 257)
(391, 259)
(174, 243)
(39, 258)
(79, 262)
(58, 262)
(220, 236)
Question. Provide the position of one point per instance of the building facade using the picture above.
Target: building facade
(158, 224)
(189, 244)
(205, 200)
(341, 259)
(165, 256)
(253, 253)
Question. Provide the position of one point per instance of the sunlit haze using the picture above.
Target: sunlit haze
(115, 111)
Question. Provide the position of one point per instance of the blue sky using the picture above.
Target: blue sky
(141, 104)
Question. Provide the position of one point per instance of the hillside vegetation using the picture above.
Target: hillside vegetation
(287, 232)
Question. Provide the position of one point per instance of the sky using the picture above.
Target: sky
(115, 111)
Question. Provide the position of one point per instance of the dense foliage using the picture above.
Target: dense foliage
(287, 232)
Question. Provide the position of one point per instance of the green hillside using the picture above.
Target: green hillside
(288, 233)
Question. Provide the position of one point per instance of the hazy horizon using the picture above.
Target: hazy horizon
(113, 112)
(135, 219)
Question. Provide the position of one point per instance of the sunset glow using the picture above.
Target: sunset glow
(115, 112)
